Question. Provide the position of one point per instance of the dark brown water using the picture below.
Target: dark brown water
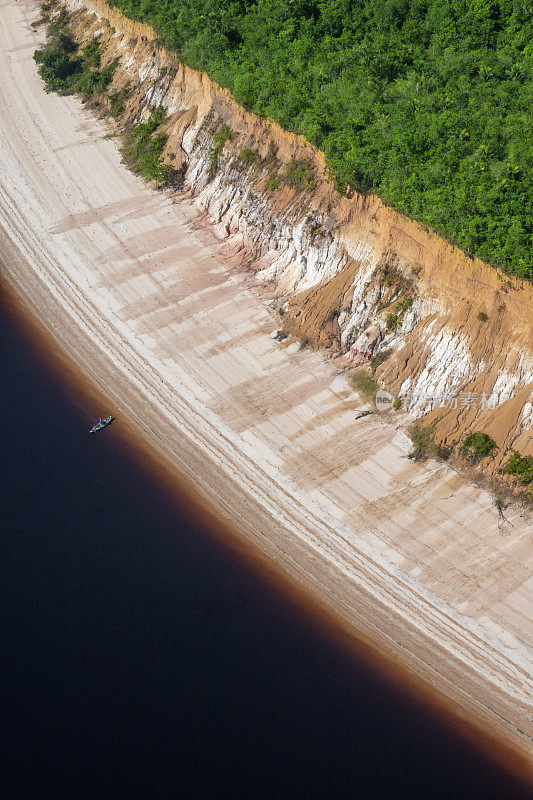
(143, 659)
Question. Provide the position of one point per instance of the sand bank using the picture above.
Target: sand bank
(138, 294)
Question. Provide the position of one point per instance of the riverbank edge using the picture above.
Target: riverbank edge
(445, 710)
(324, 235)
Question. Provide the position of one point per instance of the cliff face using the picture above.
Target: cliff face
(454, 336)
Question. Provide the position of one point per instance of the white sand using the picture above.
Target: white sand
(139, 295)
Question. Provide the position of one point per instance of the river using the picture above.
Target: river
(144, 658)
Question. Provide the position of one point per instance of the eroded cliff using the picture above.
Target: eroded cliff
(448, 335)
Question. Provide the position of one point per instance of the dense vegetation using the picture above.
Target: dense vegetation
(66, 69)
(423, 101)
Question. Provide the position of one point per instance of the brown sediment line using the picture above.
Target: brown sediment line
(323, 614)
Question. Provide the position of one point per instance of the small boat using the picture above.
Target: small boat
(102, 423)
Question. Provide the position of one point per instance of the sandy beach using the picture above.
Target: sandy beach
(136, 291)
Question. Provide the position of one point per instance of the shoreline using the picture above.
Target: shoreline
(443, 711)
(183, 374)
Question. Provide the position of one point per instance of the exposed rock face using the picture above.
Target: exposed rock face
(354, 275)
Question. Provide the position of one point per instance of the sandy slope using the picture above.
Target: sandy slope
(138, 293)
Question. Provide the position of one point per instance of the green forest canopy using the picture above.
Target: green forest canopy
(425, 102)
